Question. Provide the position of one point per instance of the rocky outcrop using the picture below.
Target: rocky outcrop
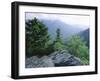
(63, 58)
(34, 62)
(58, 58)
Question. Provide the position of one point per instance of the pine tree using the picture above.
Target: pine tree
(58, 43)
(36, 37)
(58, 37)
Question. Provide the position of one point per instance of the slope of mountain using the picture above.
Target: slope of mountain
(85, 35)
(66, 29)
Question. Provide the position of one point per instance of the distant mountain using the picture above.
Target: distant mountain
(85, 35)
(66, 29)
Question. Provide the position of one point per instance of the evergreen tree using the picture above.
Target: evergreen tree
(36, 37)
(58, 37)
(58, 34)
(58, 43)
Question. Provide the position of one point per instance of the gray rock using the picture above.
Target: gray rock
(48, 62)
(31, 62)
(63, 58)
(34, 62)
(58, 58)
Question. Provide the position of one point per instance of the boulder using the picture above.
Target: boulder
(55, 59)
(35, 62)
(63, 58)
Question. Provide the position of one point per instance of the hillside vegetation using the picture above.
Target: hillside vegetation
(39, 42)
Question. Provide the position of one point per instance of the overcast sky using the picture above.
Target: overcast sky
(69, 19)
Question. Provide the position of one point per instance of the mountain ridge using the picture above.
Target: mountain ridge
(66, 29)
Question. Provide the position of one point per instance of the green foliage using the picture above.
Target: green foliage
(58, 37)
(36, 37)
(58, 46)
(58, 43)
(77, 47)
